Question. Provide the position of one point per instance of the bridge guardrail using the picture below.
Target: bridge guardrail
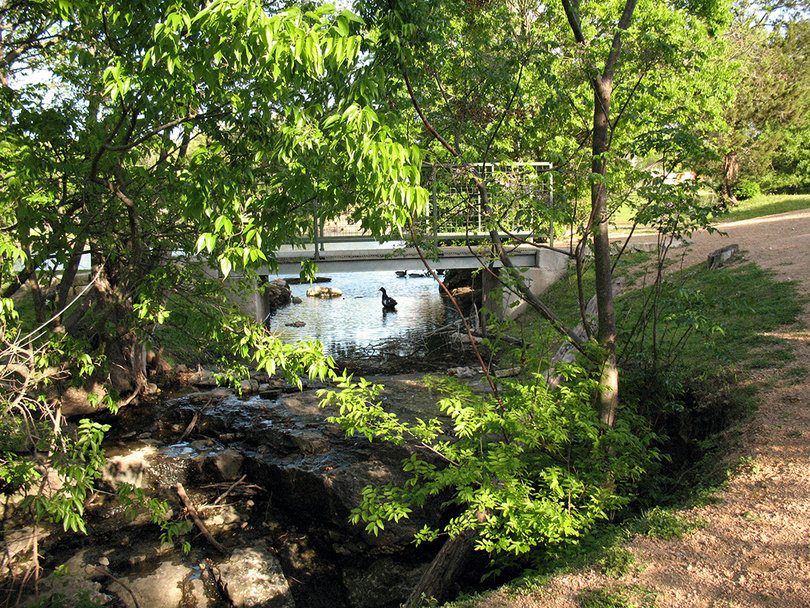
(455, 213)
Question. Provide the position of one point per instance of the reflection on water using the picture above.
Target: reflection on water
(356, 322)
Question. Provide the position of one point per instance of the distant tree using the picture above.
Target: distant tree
(770, 119)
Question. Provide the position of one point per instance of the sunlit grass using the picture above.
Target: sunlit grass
(758, 206)
(763, 205)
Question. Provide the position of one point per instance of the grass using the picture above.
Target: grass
(735, 306)
(766, 204)
(616, 562)
(665, 524)
(797, 374)
(758, 206)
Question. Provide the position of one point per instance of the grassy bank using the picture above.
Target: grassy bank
(758, 206)
(769, 204)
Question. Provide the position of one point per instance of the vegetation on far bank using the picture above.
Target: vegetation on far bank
(743, 209)
(707, 392)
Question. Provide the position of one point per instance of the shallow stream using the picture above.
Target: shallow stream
(355, 325)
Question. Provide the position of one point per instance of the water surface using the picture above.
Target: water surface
(356, 322)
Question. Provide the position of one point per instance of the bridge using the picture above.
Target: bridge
(455, 215)
(387, 257)
(540, 267)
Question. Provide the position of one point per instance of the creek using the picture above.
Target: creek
(271, 478)
(355, 324)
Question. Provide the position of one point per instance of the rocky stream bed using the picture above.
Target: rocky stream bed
(272, 481)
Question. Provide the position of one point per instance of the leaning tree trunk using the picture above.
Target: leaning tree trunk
(126, 357)
(443, 571)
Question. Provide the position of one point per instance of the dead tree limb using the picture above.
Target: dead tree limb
(181, 492)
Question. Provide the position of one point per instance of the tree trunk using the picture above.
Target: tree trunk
(438, 580)
(126, 357)
(69, 274)
(608, 397)
(731, 172)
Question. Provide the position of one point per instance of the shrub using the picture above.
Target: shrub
(532, 466)
(746, 189)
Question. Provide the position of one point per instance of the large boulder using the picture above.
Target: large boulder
(77, 400)
(308, 465)
(276, 294)
(253, 578)
(163, 588)
(324, 292)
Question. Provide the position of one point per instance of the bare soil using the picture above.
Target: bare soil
(752, 546)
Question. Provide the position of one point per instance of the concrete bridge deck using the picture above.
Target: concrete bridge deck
(402, 258)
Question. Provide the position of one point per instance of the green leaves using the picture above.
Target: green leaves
(535, 467)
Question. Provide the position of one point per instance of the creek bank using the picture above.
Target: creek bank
(274, 483)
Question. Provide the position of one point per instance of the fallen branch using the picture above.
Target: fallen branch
(228, 491)
(190, 426)
(195, 418)
(181, 492)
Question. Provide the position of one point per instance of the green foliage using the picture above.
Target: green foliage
(746, 189)
(665, 524)
(77, 464)
(616, 562)
(134, 499)
(533, 466)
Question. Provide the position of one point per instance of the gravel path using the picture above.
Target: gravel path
(753, 549)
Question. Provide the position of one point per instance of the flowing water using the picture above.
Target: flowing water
(356, 323)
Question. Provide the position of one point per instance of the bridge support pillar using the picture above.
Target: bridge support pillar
(550, 267)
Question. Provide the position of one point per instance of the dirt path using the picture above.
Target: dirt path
(753, 547)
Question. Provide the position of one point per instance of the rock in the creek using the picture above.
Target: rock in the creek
(161, 589)
(228, 464)
(249, 386)
(296, 324)
(128, 468)
(310, 441)
(462, 372)
(203, 377)
(324, 292)
(76, 581)
(277, 294)
(209, 397)
(269, 392)
(254, 579)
